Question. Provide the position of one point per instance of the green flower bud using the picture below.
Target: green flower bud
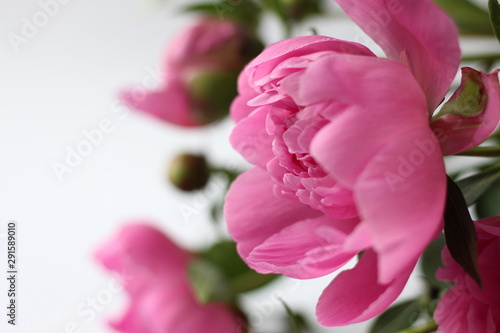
(212, 94)
(189, 172)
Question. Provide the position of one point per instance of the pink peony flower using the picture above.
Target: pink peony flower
(346, 160)
(466, 307)
(153, 271)
(200, 68)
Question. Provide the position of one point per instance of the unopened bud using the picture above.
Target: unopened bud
(189, 172)
(212, 94)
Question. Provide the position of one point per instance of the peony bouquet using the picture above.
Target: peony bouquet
(348, 153)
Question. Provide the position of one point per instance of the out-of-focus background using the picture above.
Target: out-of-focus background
(61, 66)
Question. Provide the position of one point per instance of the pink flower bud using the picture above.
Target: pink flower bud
(154, 272)
(201, 69)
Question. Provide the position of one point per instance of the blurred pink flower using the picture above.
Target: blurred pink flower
(345, 157)
(153, 271)
(466, 307)
(200, 72)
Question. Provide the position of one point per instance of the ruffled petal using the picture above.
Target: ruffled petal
(253, 213)
(383, 98)
(489, 292)
(395, 165)
(451, 313)
(479, 318)
(251, 139)
(239, 108)
(459, 132)
(380, 86)
(276, 53)
(306, 249)
(404, 31)
(355, 295)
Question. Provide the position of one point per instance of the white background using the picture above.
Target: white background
(63, 81)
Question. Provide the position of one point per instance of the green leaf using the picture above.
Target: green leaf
(245, 12)
(251, 280)
(208, 282)
(216, 212)
(239, 277)
(278, 7)
(489, 203)
(475, 186)
(298, 321)
(494, 8)
(397, 317)
(431, 261)
(469, 18)
(225, 256)
(460, 233)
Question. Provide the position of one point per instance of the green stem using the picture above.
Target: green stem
(427, 328)
(483, 57)
(230, 174)
(482, 152)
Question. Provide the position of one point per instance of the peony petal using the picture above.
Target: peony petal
(239, 108)
(157, 309)
(395, 164)
(253, 213)
(460, 132)
(355, 295)
(451, 313)
(379, 112)
(276, 53)
(251, 139)
(490, 224)
(489, 292)
(165, 310)
(450, 271)
(131, 321)
(401, 197)
(142, 256)
(403, 30)
(477, 318)
(201, 42)
(306, 249)
(170, 104)
(211, 318)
